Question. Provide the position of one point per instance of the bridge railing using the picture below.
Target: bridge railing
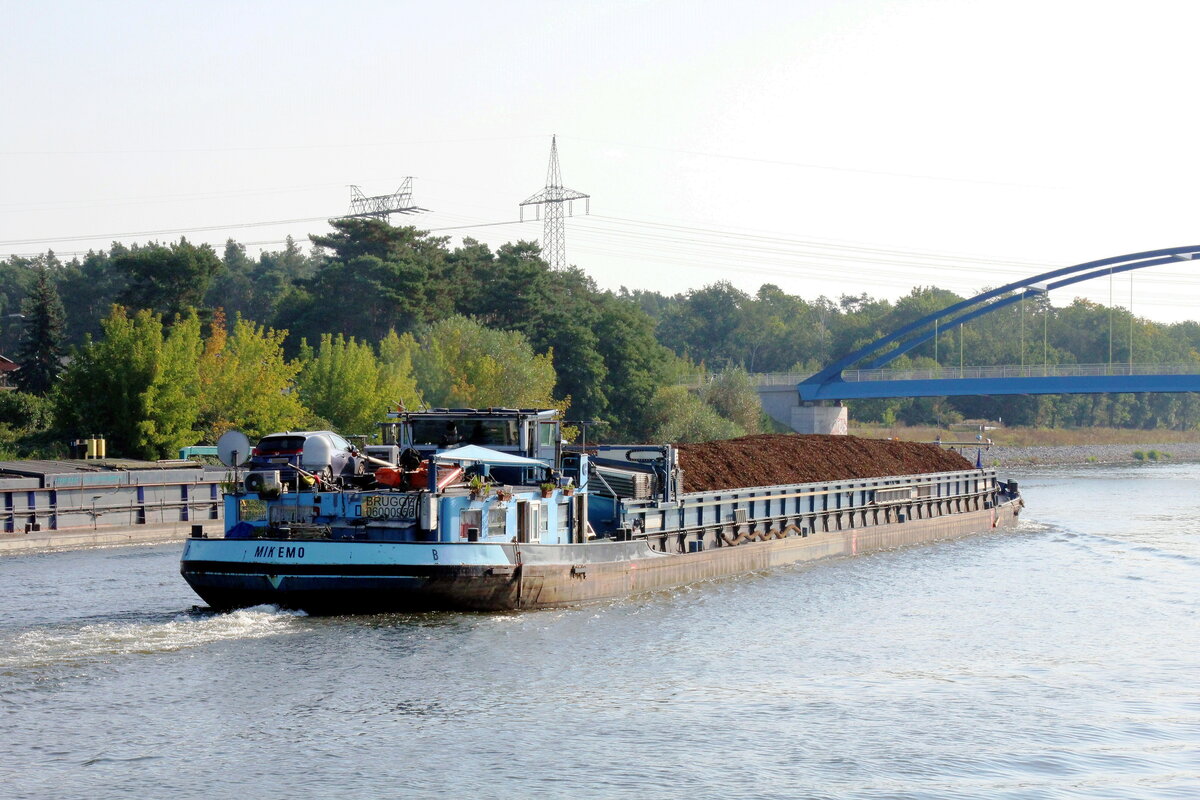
(767, 380)
(1019, 371)
(760, 379)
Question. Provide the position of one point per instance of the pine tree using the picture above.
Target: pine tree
(41, 351)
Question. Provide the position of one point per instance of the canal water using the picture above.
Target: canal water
(1058, 661)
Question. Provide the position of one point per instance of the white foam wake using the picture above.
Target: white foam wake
(100, 640)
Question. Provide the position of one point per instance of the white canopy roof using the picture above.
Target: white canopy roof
(474, 454)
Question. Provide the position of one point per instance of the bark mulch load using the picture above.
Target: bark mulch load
(769, 459)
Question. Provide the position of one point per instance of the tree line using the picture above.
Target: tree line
(174, 344)
(162, 345)
(771, 331)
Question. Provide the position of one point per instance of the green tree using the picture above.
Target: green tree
(89, 288)
(513, 289)
(637, 366)
(374, 278)
(582, 376)
(344, 383)
(18, 279)
(232, 288)
(397, 383)
(678, 415)
(854, 322)
(277, 272)
(470, 269)
(516, 290)
(105, 389)
(462, 363)
(167, 280)
(733, 396)
(705, 324)
(172, 400)
(247, 383)
(25, 412)
(920, 302)
(42, 349)
(25, 427)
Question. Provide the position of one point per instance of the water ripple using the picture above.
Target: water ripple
(1059, 660)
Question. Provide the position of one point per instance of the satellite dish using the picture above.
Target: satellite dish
(233, 448)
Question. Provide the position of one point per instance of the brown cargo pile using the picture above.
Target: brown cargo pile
(770, 459)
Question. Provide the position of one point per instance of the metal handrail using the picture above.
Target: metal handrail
(759, 379)
(766, 380)
(1019, 371)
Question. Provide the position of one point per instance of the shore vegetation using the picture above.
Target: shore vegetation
(160, 345)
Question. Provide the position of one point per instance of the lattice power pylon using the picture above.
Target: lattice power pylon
(553, 197)
(382, 206)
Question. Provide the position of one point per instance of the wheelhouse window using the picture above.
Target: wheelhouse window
(449, 432)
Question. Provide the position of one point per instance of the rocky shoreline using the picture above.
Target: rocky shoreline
(1005, 456)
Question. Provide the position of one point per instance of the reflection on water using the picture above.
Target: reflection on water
(1059, 660)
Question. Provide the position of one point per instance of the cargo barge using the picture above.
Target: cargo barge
(508, 517)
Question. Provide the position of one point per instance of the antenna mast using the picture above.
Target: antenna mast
(554, 240)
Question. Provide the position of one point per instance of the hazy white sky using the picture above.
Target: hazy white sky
(827, 147)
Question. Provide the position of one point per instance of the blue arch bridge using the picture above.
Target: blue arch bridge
(811, 403)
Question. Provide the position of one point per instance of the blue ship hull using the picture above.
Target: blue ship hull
(367, 577)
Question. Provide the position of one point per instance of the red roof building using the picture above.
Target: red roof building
(7, 367)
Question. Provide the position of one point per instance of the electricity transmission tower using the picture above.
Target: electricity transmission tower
(381, 207)
(554, 240)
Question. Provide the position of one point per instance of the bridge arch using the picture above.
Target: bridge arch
(924, 329)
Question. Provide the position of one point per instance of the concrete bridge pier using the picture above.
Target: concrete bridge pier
(814, 418)
(782, 404)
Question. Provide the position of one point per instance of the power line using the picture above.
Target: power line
(748, 247)
(165, 231)
(109, 236)
(778, 237)
(710, 248)
(763, 248)
(266, 147)
(805, 165)
(112, 201)
(475, 225)
(98, 236)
